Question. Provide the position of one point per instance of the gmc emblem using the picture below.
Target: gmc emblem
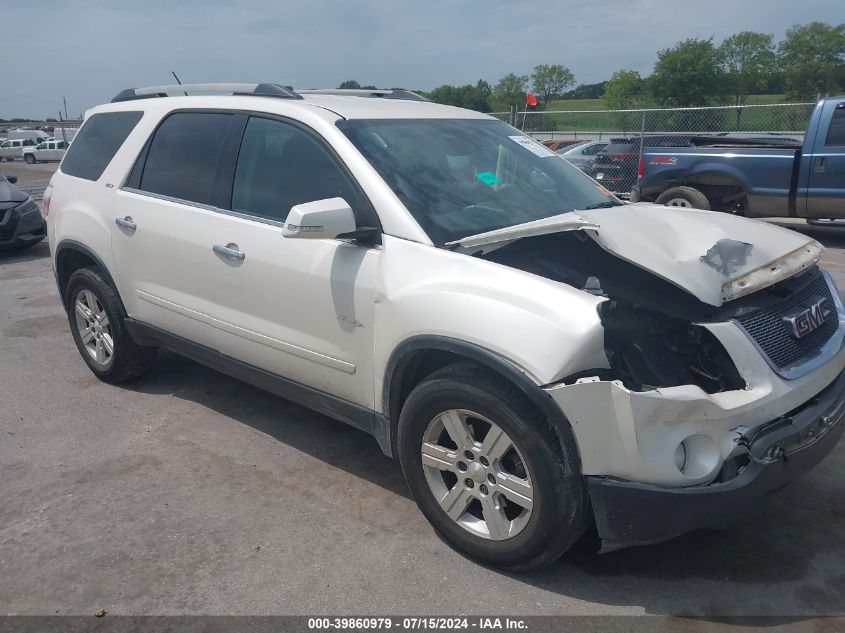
(810, 318)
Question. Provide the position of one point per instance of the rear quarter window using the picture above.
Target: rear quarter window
(836, 131)
(97, 143)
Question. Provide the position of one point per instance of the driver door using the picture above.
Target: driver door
(301, 309)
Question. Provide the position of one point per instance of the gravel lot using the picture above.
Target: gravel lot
(190, 492)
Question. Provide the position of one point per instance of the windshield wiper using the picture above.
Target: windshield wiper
(604, 205)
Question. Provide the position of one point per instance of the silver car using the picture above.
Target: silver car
(583, 154)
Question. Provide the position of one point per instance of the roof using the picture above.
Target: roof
(275, 98)
(351, 107)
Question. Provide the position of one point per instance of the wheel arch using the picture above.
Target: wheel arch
(419, 356)
(72, 255)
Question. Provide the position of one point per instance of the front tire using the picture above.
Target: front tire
(96, 322)
(30, 159)
(685, 197)
(488, 472)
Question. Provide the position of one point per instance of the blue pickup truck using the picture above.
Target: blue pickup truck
(754, 176)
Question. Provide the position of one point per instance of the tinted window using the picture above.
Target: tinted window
(594, 149)
(836, 131)
(184, 155)
(279, 166)
(28, 143)
(42, 146)
(97, 142)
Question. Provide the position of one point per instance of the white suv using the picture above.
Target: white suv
(539, 356)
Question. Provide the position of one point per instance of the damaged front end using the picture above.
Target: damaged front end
(724, 365)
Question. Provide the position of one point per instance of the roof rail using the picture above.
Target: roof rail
(395, 93)
(256, 90)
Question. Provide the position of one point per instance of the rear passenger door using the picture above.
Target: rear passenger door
(826, 169)
(162, 224)
(302, 309)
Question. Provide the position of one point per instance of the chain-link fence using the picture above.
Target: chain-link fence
(607, 144)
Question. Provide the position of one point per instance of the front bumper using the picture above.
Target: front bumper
(19, 229)
(629, 513)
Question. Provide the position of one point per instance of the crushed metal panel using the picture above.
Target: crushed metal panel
(714, 256)
(556, 224)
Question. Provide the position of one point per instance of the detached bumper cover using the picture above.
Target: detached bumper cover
(629, 513)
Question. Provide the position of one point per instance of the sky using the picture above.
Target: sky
(89, 50)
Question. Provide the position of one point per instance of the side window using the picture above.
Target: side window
(6, 144)
(836, 131)
(42, 146)
(98, 142)
(592, 150)
(279, 166)
(28, 143)
(61, 145)
(184, 155)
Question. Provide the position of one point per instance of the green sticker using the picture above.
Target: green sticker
(487, 177)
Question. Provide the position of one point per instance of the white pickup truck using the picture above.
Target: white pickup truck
(44, 152)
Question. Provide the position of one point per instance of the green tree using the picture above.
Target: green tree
(510, 91)
(349, 84)
(813, 59)
(474, 97)
(623, 90)
(688, 74)
(550, 81)
(748, 60)
(585, 91)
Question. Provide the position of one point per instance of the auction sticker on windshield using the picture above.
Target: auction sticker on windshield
(533, 146)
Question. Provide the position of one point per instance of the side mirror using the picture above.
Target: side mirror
(12, 179)
(320, 220)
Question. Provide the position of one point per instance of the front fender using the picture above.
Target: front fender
(546, 329)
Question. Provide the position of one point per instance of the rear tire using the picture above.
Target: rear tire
(685, 197)
(523, 509)
(30, 159)
(96, 318)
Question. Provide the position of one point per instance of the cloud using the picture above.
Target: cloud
(88, 50)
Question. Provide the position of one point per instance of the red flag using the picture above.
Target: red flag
(530, 99)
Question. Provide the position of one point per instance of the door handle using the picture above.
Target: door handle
(230, 251)
(126, 223)
(818, 164)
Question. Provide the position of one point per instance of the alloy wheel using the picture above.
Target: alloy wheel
(477, 474)
(92, 322)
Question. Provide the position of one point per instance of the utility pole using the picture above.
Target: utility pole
(64, 101)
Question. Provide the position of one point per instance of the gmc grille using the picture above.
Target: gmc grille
(771, 333)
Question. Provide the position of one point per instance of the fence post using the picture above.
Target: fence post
(512, 116)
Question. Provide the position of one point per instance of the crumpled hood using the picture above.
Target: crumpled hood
(714, 256)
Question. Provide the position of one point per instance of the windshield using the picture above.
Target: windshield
(462, 177)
